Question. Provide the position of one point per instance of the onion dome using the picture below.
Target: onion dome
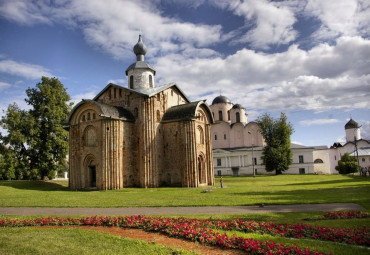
(221, 100)
(351, 124)
(238, 106)
(140, 48)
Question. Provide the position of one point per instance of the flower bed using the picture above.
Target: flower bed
(346, 215)
(205, 231)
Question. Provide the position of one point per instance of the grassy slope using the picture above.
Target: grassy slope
(74, 241)
(284, 189)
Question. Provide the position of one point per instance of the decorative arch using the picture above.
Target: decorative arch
(201, 169)
(318, 161)
(200, 135)
(90, 169)
(90, 137)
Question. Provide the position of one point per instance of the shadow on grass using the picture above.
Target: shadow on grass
(37, 185)
(351, 179)
(347, 194)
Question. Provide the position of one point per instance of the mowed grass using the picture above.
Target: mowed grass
(282, 189)
(74, 241)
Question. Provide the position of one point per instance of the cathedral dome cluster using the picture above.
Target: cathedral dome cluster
(224, 110)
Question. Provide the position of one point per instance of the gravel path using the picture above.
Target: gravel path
(178, 210)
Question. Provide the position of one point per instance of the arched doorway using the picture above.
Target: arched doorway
(92, 173)
(201, 170)
(90, 166)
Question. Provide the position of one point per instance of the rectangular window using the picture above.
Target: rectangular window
(224, 136)
(301, 160)
(218, 162)
(302, 171)
(255, 161)
(219, 172)
(215, 137)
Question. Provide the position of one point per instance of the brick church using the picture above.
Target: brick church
(140, 135)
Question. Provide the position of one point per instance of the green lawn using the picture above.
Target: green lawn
(283, 189)
(74, 241)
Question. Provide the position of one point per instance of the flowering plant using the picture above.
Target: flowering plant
(205, 231)
(346, 215)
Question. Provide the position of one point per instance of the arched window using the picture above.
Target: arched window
(150, 81)
(317, 161)
(131, 82)
(220, 115)
(237, 117)
(88, 116)
(200, 136)
(90, 136)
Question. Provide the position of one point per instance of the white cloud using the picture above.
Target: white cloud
(365, 130)
(269, 23)
(318, 122)
(4, 85)
(114, 25)
(323, 78)
(340, 18)
(24, 12)
(29, 71)
(78, 98)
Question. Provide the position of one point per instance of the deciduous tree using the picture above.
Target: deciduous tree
(276, 155)
(36, 136)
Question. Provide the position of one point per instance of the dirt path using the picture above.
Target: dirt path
(158, 238)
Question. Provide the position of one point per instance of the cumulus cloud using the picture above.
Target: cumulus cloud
(268, 23)
(318, 122)
(26, 70)
(323, 78)
(340, 18)
(327, 76)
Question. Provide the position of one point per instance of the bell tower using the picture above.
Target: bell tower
(140, 75)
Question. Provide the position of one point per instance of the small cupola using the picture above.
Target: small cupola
(140, 74)
(352, 129)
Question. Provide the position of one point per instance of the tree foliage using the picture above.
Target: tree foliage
(347, 164)
(276, 155)
(36, 138)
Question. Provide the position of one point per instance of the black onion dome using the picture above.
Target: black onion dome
(351, 124)
(140, 48)
(220, 100)
(238, 106)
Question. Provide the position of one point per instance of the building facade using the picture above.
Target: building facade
(140, 135)
(238, 144)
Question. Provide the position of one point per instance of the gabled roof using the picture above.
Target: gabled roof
(107, 111)
(363, 151)
(144, 92)
(185, 111)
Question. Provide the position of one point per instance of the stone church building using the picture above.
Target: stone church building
(140, 135)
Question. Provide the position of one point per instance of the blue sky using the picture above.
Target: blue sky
(307, 58)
